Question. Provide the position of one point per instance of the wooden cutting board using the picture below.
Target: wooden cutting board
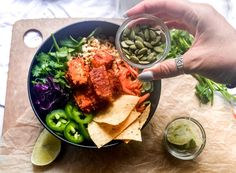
(21, 128)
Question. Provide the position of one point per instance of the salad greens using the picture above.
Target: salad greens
(51, 89)
(54, 64)
(181, 42)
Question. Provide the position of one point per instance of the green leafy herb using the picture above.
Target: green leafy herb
(181, 42)
(75, 45)
(54, 63)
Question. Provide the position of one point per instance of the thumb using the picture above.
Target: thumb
(161, 70)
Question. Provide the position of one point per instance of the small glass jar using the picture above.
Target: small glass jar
(148, 29)
(182, 152)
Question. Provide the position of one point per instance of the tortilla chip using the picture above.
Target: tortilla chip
(118, 111)
(144, 116)
(133, 131)
(102, 133)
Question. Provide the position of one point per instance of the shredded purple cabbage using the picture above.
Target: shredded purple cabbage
(50, 95)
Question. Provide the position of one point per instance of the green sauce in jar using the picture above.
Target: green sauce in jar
(184, 135)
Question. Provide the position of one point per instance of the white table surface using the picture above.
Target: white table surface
(14, 10)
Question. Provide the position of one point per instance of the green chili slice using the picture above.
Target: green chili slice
(68, 109)
(84, 131)
(72, 133)
(57, 120)
(81, 118)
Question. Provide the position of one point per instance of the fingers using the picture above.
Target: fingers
(173, 9)
(177, 25)
(161, 70)
(181, 11)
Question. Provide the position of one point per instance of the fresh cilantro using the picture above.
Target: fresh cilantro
(204, 90)
(54, 63)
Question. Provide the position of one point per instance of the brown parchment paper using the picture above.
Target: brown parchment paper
(21, 127)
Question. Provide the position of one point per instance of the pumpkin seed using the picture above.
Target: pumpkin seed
(139, 44)
(158, 32)
(126, 52)
(139, 38)
(126, 32)
(153, 59)
(152, 34)
(134, 59)
(151, 56)
(142, 51)
(156, 41)
(158, 49)
(132, 35)
(140, 56)
(133, 47)
(144, 58)
(144, 62)
(136, 51)
(148, 45)
(141, 34)
(129, 42)
(163, 38)
(124, 45)
(127, 56)
(146, 34)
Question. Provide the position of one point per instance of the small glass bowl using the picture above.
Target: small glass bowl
(154, 23)
(184, 154)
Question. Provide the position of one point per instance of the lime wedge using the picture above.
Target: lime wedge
(46, 149)
(179, 133)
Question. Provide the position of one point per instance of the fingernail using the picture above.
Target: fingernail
(146, 76)
(125, 14)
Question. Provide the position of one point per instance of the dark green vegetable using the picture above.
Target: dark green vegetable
(180, 43)
(84, 131)
(68, 109)
(81, 118)
(71, 123)
(72, 133)
(52, 64)
(57, 120)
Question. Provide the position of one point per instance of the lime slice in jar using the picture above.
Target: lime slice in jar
(46, 149)
(180, 133)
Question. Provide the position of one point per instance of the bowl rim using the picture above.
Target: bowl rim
(113, 142)
(164, 28)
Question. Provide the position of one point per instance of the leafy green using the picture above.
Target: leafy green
(180, 43)
(205, 89)
(75, 45)
(54, 63)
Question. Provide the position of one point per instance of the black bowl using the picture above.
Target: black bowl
(82, 29)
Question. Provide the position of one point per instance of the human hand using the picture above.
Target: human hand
(213, 53)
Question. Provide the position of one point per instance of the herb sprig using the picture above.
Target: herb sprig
(205, 89)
